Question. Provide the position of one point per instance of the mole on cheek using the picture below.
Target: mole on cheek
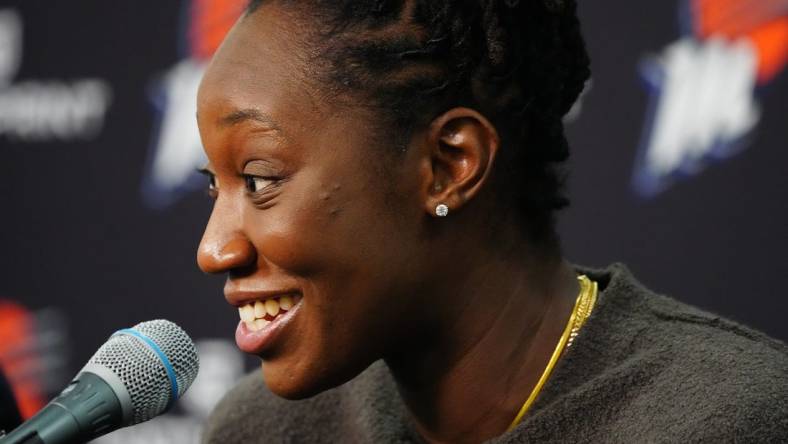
(324, 197)
(330, 195)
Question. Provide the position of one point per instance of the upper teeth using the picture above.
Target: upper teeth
(254, 313)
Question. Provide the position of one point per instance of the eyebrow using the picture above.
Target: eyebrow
(244, 115)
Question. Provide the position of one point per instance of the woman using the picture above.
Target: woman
(385, 176)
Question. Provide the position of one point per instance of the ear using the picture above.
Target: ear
(462, 145)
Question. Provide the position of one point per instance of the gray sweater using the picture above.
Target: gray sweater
(646, 368)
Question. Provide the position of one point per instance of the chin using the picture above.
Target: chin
(296, 383)
(288, 384)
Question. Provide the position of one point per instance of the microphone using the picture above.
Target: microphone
(136, 375)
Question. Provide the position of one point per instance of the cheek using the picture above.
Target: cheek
(350, 252)
(309, 231)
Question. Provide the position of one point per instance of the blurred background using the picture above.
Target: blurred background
(679, 169)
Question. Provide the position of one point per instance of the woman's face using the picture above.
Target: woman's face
(302, 208)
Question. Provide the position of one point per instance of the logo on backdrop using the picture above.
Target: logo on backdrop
(703, 88)
(45, 110)
(176, 152)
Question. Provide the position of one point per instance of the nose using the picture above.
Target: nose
(224, 248)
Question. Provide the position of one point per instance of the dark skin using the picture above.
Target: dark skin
(305, 200)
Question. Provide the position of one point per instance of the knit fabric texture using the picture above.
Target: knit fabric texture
(645, 369)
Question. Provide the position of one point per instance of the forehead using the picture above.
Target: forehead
(259, 66)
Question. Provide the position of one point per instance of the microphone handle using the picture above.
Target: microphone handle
(86, 409)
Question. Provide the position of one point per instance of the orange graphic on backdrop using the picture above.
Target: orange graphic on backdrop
(17, 358)
(210, 22)
(763, 22)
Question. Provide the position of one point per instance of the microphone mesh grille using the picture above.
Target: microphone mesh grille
(141, 370)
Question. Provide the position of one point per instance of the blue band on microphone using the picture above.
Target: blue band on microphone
(162, 357)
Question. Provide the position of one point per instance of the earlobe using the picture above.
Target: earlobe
(463, 145)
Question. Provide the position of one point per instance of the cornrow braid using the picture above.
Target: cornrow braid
(521, 63)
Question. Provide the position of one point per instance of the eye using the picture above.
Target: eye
(255, 184)
(212, 187)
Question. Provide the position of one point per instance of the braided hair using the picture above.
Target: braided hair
(521, 63)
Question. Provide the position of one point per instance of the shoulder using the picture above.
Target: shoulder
(734, 379)
(694, 373)
(630, 313)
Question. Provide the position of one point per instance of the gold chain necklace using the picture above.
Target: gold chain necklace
(583, 306)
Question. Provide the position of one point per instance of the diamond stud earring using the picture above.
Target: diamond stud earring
(442, 210)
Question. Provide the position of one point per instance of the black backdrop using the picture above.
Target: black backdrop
(84, 234)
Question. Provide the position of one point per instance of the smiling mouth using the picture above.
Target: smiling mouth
(258, 314)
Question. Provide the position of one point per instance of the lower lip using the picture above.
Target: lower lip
(256, 342)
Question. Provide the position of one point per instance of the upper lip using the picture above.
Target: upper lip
(239, 298)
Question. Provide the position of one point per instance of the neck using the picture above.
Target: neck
(465, 379)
